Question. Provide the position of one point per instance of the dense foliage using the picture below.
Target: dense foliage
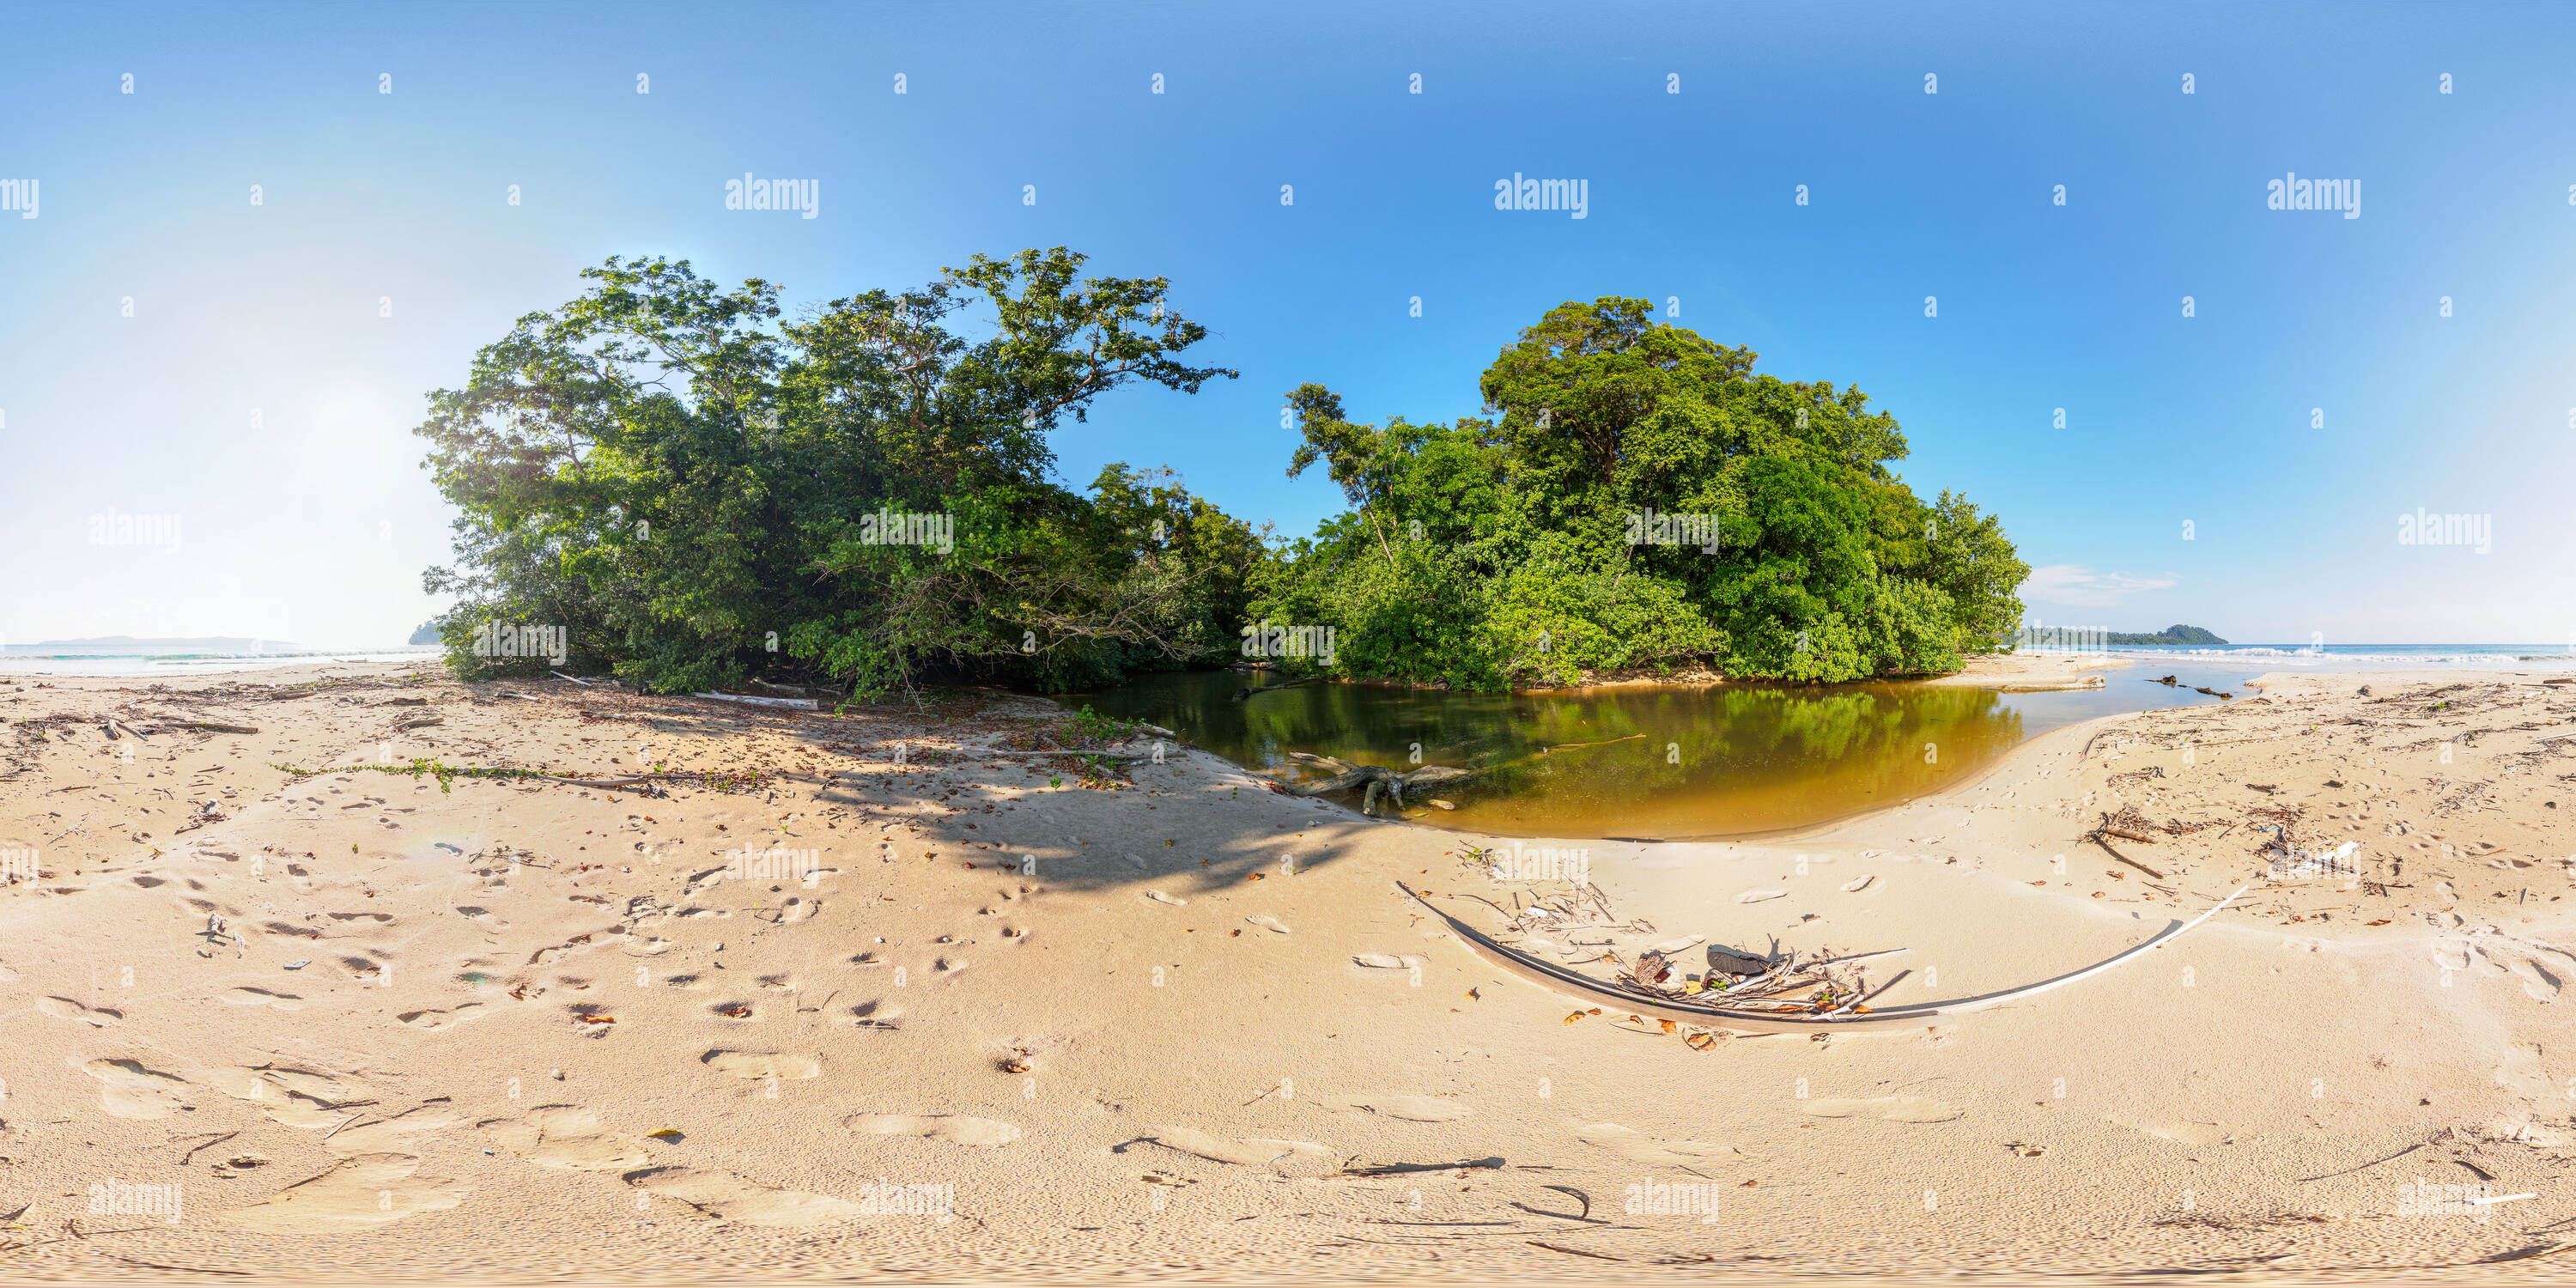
(696, 491)
(1523, 549)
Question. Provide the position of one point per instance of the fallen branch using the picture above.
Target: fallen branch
(2372, 1163)
(1250, 690)
(1406, 1169)
(1575, 1252)
(797, 704)
(2096, 838)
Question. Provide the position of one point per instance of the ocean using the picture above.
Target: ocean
(25, 660)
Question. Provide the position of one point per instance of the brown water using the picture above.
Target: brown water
(1687, 762)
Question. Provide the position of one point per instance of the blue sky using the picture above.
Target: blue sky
(314, 523)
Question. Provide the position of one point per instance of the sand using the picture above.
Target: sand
(978, 1019)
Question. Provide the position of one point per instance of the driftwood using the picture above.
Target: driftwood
(2096, 838)
(797, 704)
(1372, 779)
(1559, 979)
(2128, 825)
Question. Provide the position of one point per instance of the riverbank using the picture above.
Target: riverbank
(1181, 1026)
(2030, 672)
(2023, 672)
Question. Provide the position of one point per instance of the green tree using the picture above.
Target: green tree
(688, 482)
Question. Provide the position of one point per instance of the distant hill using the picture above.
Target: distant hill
(428, 632)
(204, 644)
(2170, 635)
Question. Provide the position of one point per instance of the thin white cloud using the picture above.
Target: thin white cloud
(2081, 586)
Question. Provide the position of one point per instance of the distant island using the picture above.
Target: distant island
(428, 632)
(2169, 635)
(206, 644)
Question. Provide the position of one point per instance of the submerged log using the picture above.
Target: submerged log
(1250, 689)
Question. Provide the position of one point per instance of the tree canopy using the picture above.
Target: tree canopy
(700, 489)
(1522, 547)
(695, 487)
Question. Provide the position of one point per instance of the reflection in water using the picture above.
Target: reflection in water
(1697, 761)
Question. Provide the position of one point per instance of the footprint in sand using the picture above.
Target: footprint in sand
(365, 1191)
(128, 1090)
(260, 997)
(1757, 896)
(1160, 897)
(728, 1197)
(1411, 1108)
(64, 1008)
(2176, 1130)
(294, 1097)
(1268, 922)
(565, 1136)
(1387, 961)
(1637, 1147)
(989, 1133)
(2539, 983)
(1895, 1109)
(433, 1021)
(1243, 1153)
(757, 1064)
